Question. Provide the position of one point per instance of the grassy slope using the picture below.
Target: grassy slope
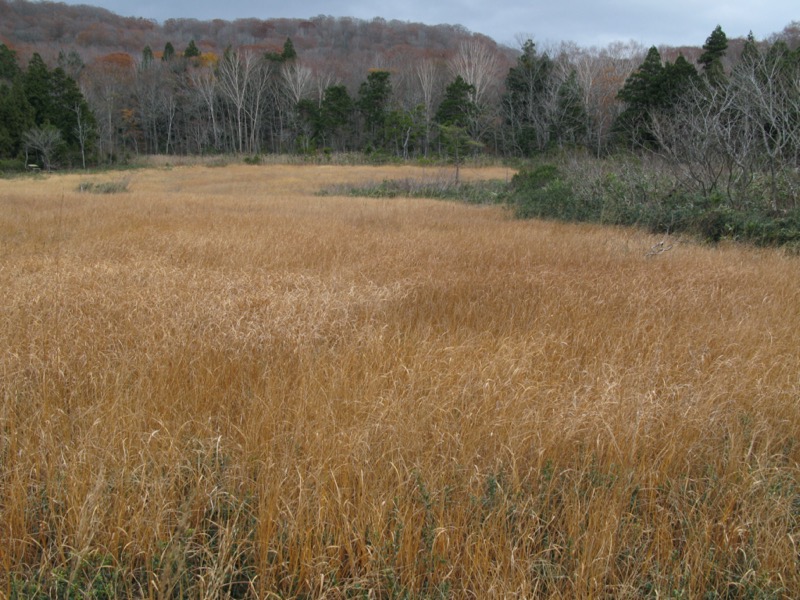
(220, 382)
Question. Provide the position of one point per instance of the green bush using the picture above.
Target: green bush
(542, 192)
(632, 191)
(11, 166)
(107, 187)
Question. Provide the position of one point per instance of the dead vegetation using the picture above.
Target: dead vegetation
(222, 385)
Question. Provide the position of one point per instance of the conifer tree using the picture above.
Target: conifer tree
(192, 51)
(750, 51)
(457, 106)
(147, 56)
(16, 117)
(169, 52)
(571, 121)
(529, 88)
(373, 104)
(289, 53)
(9, 69)
(711, 59)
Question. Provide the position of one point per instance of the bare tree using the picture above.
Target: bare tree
(82, 131)
(232, 88)
(204, 83)
(691, 137)
(428, 76)
(45, 141)
(242, 80)
(477, 64)
(766, 93)
(298, 81)
(601, 74)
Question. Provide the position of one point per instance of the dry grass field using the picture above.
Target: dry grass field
(219, 384)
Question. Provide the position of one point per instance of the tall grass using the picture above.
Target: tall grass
(220, 384)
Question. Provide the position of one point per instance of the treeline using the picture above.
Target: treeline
(722, 118)
(44, 117)
(717, 152)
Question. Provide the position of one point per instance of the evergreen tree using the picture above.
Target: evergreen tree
(373, 104)
(750, 51)
(69, 108)
(525, 103)
(9, 69)
(678, 78)
(457, 107)
(16, 117)
(571, 122)
(711, 59)
(289, 53)
(37, 85)
(192, 51)
(335, 116)
(147, 56)
(169, 52)
(642, 92)
(653, 87)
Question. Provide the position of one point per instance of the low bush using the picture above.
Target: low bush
(11, 166)
(634, 192)
(106, 187)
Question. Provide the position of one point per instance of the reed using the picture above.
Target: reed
(221, 384)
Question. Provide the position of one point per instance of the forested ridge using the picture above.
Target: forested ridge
(81, 86)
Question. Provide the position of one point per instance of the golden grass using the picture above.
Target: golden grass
(221, 385)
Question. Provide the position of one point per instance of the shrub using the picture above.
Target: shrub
(542, 192)
(107, 187)
(641, 192)
(11, 166)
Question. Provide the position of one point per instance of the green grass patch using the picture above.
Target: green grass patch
(491, 191)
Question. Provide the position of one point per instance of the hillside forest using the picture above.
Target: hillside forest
(80, 86)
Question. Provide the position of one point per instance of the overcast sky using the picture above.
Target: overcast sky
(587, 22)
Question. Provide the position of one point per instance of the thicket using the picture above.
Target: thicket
(635, 192)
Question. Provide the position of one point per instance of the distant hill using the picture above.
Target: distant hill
(51, 27)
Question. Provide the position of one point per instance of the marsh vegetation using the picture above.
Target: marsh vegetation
(222, 384)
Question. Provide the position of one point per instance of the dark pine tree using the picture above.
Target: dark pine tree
(711, 59)
(9, 69)
(373, 104)
(16, 117)
(147, 56)
(169, 52)
(289, 53)
(457, 107)
(642, 92)
(192, 51)
(335, 117)
(527, 91)
(571, 121)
